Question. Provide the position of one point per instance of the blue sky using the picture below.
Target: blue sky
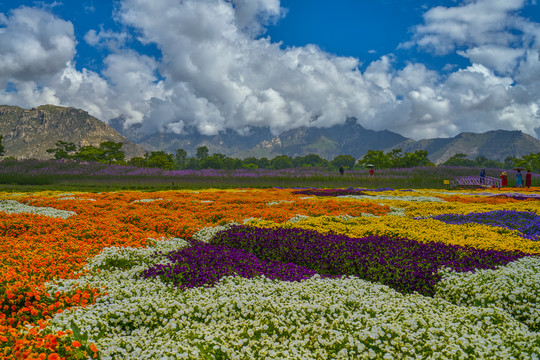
(420, 68)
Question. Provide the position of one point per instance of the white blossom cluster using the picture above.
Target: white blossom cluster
(207, 233)
(15, 207)
(145, 200)
(395, 211)
(272, 203)
(514, 288)
(391, 197)
(76, 198)
(297, 218)
(345, 318)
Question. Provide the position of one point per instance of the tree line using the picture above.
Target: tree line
(531, 162)
(110, 152)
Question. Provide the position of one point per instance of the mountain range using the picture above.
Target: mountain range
(349, 138)
(28, 133)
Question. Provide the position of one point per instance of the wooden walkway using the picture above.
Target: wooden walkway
(475, 181)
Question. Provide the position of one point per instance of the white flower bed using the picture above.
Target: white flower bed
(345, 318)
(514, 288)
(15, 207)
(207, 233)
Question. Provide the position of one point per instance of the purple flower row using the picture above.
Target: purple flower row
(528, 223)
(519, 196)
(35, 167)
(204, 264)
(403, 264)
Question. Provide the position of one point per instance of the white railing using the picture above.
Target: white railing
(479, 181)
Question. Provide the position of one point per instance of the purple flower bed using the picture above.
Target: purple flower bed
(528, 223)
(519, 196)
(204, 264)
(403, 264)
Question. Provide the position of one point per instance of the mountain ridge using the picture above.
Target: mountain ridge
(349, 138)
(28, 133)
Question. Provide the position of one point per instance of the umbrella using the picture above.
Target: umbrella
(370, 165)
(518, 168)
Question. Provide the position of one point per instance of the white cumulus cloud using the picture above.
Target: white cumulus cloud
(34, 44)
(217, 70)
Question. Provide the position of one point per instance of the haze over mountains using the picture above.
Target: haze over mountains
(28, 133)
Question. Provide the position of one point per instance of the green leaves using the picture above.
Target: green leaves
(395, 159)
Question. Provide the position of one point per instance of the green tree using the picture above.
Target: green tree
(160, 159)
(459, 159)
(408, 160)
(264, 163)
(376, 158)
(231, 163)
(89, 153)
(213, 162)
(509, 162)
(192, 163)
(250, 163)
(1, 146)
(138, 161)
(346, 160)
(202, 153)
(311, 160)
(110, 152)
(530, 162)
(63, 150)
(281, 162)
(180, 158)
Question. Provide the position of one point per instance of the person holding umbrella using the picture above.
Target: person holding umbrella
(528, 179)
(371, 171)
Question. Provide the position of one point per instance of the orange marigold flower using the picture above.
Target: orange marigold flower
(93, 347)
(76, 344)
(53, 356)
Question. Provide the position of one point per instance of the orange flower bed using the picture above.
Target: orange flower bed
(35, 249)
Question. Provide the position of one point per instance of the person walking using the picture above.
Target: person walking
(528, 179)
(504, 179)
(519, 179)
(341, 170)
(371, 172)
(483, 176)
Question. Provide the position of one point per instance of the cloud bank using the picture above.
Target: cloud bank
(218, 71)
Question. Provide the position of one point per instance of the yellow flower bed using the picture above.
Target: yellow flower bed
(424, 230)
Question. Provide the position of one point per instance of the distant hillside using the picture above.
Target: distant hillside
(346, 139)
(227, 142)
(494, 145)
(349, 138)
(29, 133)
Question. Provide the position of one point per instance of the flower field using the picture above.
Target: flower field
(271, 274)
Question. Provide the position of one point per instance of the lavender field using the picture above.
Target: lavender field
(66, 172)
